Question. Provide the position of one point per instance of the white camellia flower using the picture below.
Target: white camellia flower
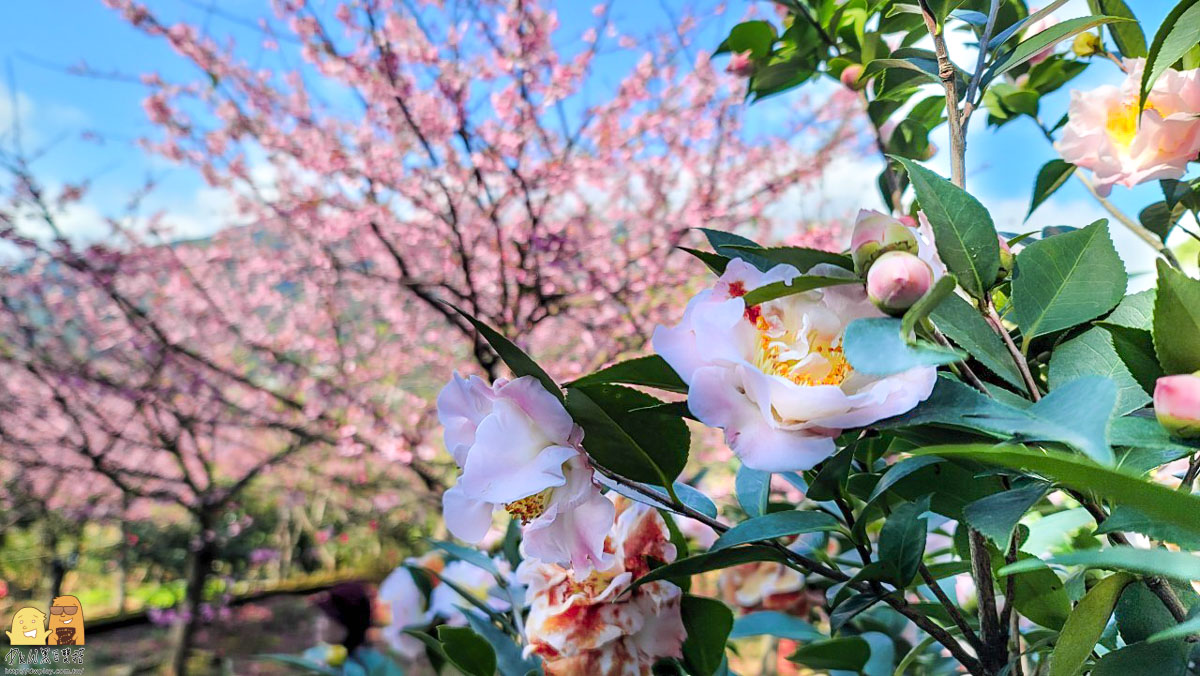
(406, 609)
(519, 450)
(773, 376)
(446, 603)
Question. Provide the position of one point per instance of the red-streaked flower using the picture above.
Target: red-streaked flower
(1105, 134)
(1177, 404)
(519, 451)
(773, 376)
(586, 624)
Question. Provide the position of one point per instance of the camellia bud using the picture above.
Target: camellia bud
(1177, 404)
(876, 234)
(740, 64)
(897, 280)
(850, 76)
(335, 656)
(1087, 44)
(1006, 259)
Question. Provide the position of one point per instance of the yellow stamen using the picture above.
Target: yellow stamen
(771, 345)
(1122, 123)
(531, 507)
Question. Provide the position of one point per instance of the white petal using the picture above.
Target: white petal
(467, 519)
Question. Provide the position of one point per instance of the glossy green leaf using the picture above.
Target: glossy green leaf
(1050, 178)
(1144, 658)
(639, 445)
(1175, 36)
(1125, 519)
(942, 289)
(774, 290)
(1093, 353)
(1036, 44)
(798, 257)
(1127, 34)
(902, 540)
(755, 37)
(962, 229)
(875, 347)
(996, 516)
(702, 563)
(1082, 629)
(509, 660)
(715, 262)
(1067, 279)
(1177, 321)
(969, 330)
(850, 653)
(723, 242)
(708, 622)
(1175, 565)
(467, 650)
(1140, 613)
(520, 363)
(650, 371)
(753, 489)
(775, 525)
(774, 623)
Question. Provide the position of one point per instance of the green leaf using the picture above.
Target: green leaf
(467, 650)
(801, 258)
(1143, 658)
(775, 525)
(298, 662)
(509, 660)
(1093, 353)
(708, 622)
(1175, 36)
(941, 290)
(1035, 44)
(996, 516)
(850, 653)
(1127, 519)
(702, 563)
(1067, 279)
(753, 489)
(1175, 565)
(774, 290)
(902, 540)
(1177, 321)
(1127, 34)
(874, 347)
(1083, 628)
(830, 481)
(650, 371)
(774, 623)
(962, 229)
(715, 262)
(969, 330)
(1050, 178)
(639, 445)
(1135, 311)
(1141, 614)
(1152, 499)
(1038, 593)
(1160, 219)
(755, 37)
(723, 243)
(1135, 347)
(516, 359)
(1184, 629)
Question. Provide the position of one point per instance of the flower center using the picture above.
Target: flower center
(821, 363)
(530, 507)
(1122, 123)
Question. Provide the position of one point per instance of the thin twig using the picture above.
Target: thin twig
(948, 74)
(1018, 357)
(984, 39)
(1136, 228)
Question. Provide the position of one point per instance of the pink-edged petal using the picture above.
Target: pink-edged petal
(467, 519)
(496, 477)
(461, 405)
(885, 398)
(572, 536)
(542, 407)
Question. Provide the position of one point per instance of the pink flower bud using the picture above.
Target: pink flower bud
(1006, 259)
(740, 64)
(876, 234)
(1177, 404)
(850, 76)
(897, 280)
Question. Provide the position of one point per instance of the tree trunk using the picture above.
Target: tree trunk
(199, 569)
(123, 559)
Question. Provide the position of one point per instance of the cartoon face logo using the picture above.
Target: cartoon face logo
(28, 627)
(66, 621)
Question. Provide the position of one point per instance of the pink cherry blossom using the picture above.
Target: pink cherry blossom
(519, 451)
(1105, 134)
(773, 376)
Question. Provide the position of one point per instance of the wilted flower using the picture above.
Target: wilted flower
(765, 585)
(1177, 404)
(1105, 134)
(519, 450)
(773, 376)
(588, 624)
(897, 280)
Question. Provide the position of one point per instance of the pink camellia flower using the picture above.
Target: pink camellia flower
(1177, 404)
(590, 624)
(897, 280)
(519, 450)
(773, 376)
(1104, 133)
(1035, 28)
(765, 585)
(740, 64)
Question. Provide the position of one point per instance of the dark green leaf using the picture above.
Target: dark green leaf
(1038, 593)
(708, 622)
(702, 563)
(966, 327)
(509, 660)
(942, 289)
(850, 653)
(996, 516)
(774, 623)
(650, 371)
(1175, 565)
(798, 257)
(1067, 279)
(1127, 519)
(775, 290)
(715, 262)
(1093, 353)
(755, 37)
(753, 490)
(1086, 623)
(1175, 36)
(775, 525)
(638, 445)
(1140, 613)
(470, 652)
(1135, 347)
(830, 481)
(1035, 44)
(1143, 658)
(1127, 34)
(1160, 219)
(1050, 178)
(1177, 321)
(856, 604)
(962, 229)
(516, 359)
(874, 347)
(902, 540)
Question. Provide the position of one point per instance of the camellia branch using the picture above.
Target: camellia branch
(947, 73)
(1133, 226)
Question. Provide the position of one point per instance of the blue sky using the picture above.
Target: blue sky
(38, 40)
